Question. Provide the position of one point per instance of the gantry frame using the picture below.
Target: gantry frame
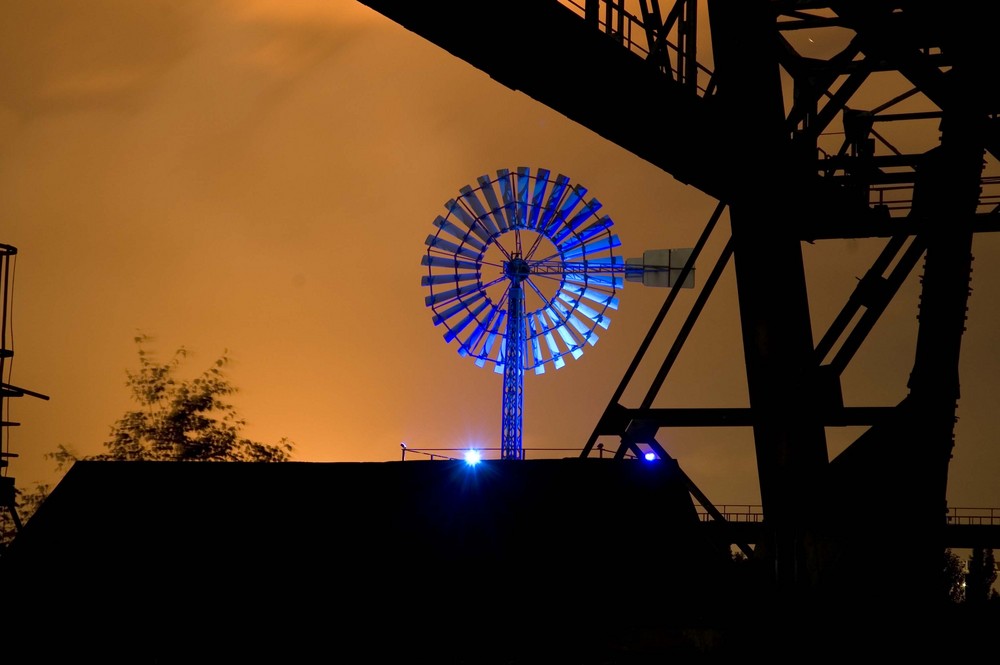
(926, 203)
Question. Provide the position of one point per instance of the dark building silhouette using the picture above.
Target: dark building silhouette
(157, 561)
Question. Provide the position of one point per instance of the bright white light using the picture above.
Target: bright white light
(650, 457)
(472, 457)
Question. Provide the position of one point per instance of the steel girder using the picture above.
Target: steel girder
(818, 532)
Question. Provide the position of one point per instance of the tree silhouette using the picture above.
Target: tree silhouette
(175, 420)
(953, 577)
(181, 420)
(981, 575)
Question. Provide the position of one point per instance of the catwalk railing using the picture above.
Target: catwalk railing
(739, 513)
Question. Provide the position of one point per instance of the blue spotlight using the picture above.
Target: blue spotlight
(472, 457)
(650, 457)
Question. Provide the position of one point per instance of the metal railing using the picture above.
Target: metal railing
(754, 513)
(976, 516)
(494, 453)
(739, 512)
(629, 30)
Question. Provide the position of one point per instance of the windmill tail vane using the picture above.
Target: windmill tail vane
(521, 272)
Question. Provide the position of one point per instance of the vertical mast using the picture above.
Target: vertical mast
(513, 370)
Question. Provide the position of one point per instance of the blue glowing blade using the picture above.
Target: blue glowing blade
(536, 350)
(552, 205)
(448, 278)
(445, 296)
(589, 210)
(545, 330)
(554, 351)
(470, 344)
(541, 180)
(566, 334)
(461, 325)
(457, 307)
(566, 208)
(490, 339)
(586, 234)
(506, 183)
(501, 354)
(599, 297)
(482, 215)
(585, 332)
(586, 310)
(455, 231)
(523, 187)
(461, 214)
(439, 243)
(486, 187)
(600, 245)
(448, 262)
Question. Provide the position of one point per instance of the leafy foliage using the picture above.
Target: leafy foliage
(181, 420)
(175, 420)
(953, 577)
(980, 576)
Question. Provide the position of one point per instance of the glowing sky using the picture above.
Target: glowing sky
(260, 176)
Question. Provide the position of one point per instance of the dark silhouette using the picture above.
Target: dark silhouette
(176, 419)
(980, 576)
(953, 577)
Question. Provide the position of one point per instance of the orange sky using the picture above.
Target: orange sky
(259, 176)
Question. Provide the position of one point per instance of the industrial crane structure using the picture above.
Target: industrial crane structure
(795, 148)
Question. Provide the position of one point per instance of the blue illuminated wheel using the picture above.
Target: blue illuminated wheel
(521, 271)
(529, 230)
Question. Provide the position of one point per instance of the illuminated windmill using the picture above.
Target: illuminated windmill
(522, 272)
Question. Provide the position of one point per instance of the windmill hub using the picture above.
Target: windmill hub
(517, 269)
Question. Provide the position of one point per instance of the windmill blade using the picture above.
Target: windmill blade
(447, 313)
(464, 236)
(466, 320)
(440, 244)
(505, 181)
(585, 331)
(445, 296)
(558, 323)
(448, 278)
(601, 245)
(566, 208)
(552, 205)
(482, 215)
(545, 331)
(557, 356)
(501, 354)
(586, 310)
(469, 345)
(605, 299)
(589, 210)
(536, 349)
(541, 181)
(586, 234)
(496, 210)
(571, 343)
(447, 262)
(523, 187)
(490, 339)
(459, 212)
